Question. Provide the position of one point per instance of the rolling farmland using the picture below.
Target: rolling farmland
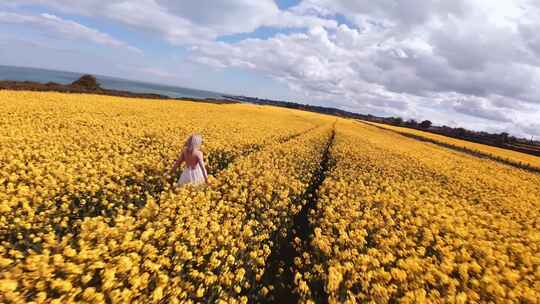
(301, 207)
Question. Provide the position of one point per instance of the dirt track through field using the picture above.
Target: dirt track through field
(280, 270)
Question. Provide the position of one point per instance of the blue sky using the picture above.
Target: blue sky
(473, 63)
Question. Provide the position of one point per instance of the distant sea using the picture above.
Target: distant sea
(113, 83)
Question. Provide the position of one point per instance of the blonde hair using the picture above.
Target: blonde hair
(193, 142)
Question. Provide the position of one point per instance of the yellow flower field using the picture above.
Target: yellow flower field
(87, 215)
(400, 220)
(71, 156)
(504, 154)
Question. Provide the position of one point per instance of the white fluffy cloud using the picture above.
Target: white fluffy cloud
(65, 28)
(189, 22)
(239, 16)
(403, 14)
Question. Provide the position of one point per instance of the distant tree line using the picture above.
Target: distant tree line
(411, 123)
(503, 140)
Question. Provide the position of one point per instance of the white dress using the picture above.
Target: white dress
(192, 176)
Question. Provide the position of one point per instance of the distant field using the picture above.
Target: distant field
(503, 154)
(301, 207)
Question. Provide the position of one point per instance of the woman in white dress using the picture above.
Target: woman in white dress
(195, 171)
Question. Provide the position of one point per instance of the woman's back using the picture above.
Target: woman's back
(192, 158)
(195, 171)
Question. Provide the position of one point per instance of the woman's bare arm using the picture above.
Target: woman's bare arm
(203, 167)
(177, 163)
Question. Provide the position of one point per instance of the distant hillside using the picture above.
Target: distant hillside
(88, 84)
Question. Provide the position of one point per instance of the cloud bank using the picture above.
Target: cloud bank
(65, 28)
